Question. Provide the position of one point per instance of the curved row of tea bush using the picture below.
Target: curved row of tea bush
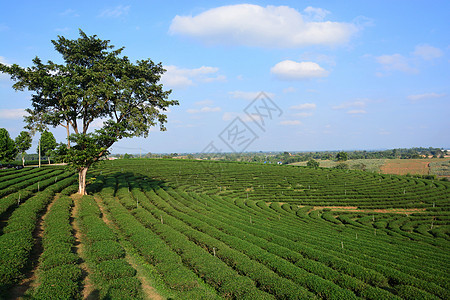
(59, 275)
(113, 275)
(227, 282)
(297, 185)
(259, 250)
(26, 189)
(17, 239)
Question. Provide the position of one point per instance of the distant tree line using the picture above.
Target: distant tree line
(12, 150)
(292, 157)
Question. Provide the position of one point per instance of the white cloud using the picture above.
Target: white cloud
(69, 13)
(179, 77)
(13, 113)
(316, 14)
(304, 106)
(291, 122)
(357, 103)
(289, 90)
(396, 62)
(356, 107)
(228, 116)
(291, 70)
(97, 123)
(425, 96)
(64, 29)
(427, 52)
(248, 95)
(115, 12)
(204, 102)
(220, 78)
(356, 111)
(204, 109)
(304, 114)
(270, 26)
(4, 61)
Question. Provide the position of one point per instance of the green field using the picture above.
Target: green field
(160, 229)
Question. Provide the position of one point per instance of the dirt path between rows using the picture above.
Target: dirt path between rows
(89, 291)
(402, 211)
(18, 291)
(149, 291)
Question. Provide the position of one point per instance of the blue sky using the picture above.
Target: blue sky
(364, 75)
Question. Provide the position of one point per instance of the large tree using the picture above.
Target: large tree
(48, 144)
(94, 84)
(8, 150)
(23, 143)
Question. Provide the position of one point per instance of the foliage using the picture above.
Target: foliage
(341, 166)
(170, 208)
(23, 143)
(342, 156)
(313, 164)
(17, 241)
(95, 83)
(8, 149)
(48, 143)
(112, 274)
(247, 231)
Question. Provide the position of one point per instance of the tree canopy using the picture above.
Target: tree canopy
(312, 164)
(48, 144)
(23, 143)
(8, 150)
(342, 156)
(95, 83)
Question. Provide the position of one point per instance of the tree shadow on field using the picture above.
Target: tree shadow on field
(105, 181)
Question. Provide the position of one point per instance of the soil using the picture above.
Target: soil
(356, 209)
(406, 166)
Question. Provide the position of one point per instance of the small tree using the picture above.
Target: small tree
(94, 83)
(341, 166)
(48, 144)
(342, 156)
(312, 164)
(23, 143)
(8, 149)
(60, 152)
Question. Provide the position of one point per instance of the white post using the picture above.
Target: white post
(39, 142)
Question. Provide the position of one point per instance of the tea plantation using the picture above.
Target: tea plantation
(184, 229)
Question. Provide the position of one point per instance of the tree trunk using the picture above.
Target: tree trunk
(82, 181)
(68, 135)
(23, 161)
(48, 157)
